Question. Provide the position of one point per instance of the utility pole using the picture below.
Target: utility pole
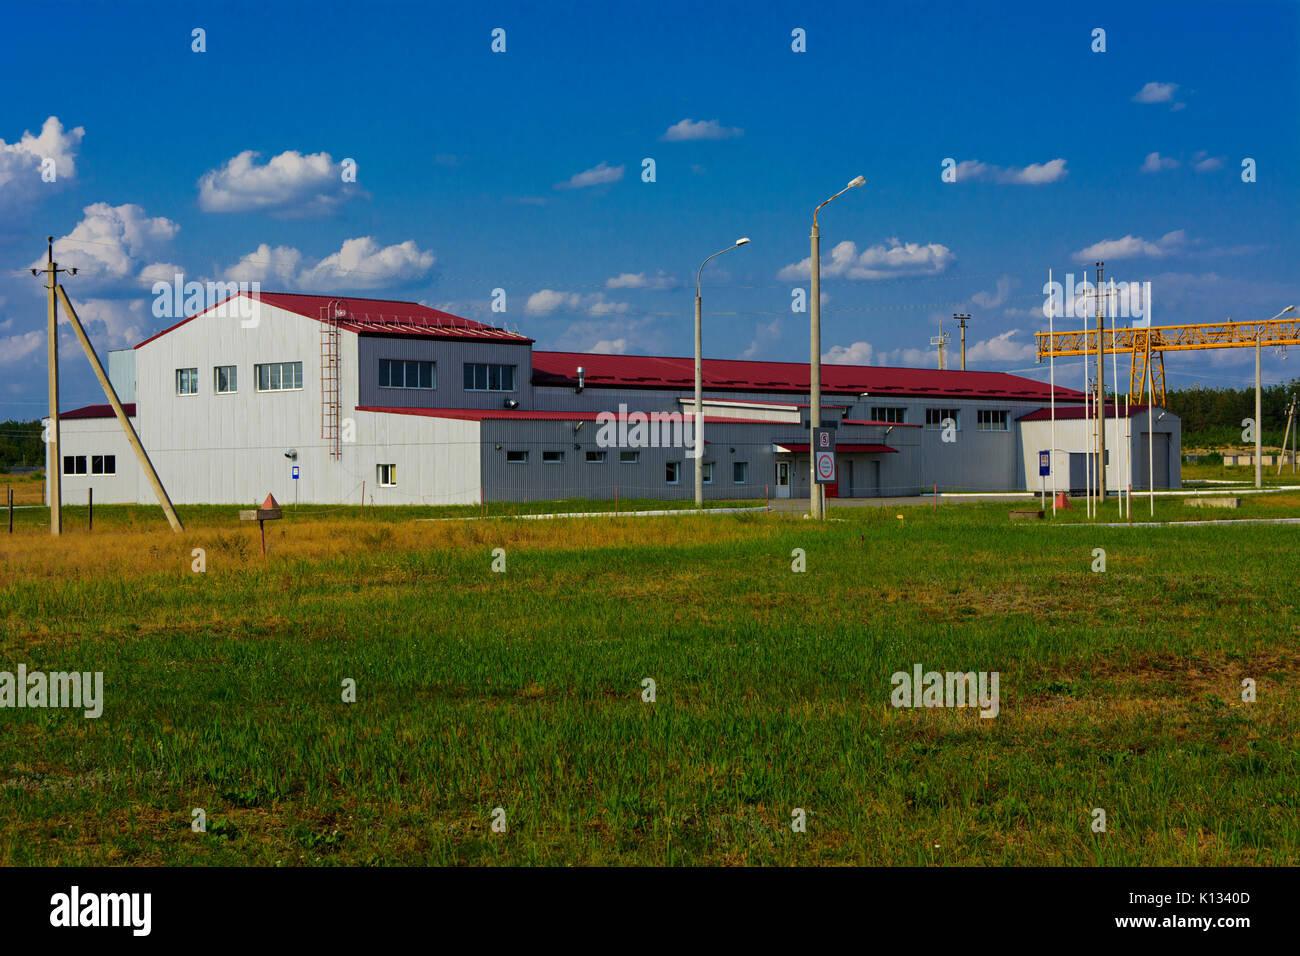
(1101, 395)
(1286, 434)
(940, 341)
(962, 320)
(54, 465)
(1259, 425)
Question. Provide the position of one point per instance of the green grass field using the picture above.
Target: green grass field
(523, 690)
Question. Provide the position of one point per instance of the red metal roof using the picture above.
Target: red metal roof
(535, 415)
(377, 317)
(1076, 412)
(97, 411)
(842, 448)
(648, 371)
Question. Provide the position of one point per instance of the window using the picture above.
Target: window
(990, 420)
(934, 417)
(673, 475)
(74, 464)
(396, 373)
(740, 472)
(517, 457)
(187, 381)
(103, 464)
(629, 457)
(708, 472)
(595, 457)
(552, 457)
(387, 476)
(889, 413)
(279, 376)
(489, 378)
(225, 379)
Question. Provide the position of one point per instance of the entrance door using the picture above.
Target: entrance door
(783, 479)
(876, 491)
(1160, 463)
(1078, 471)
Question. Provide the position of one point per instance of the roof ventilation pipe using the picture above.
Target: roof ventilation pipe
(582, 378)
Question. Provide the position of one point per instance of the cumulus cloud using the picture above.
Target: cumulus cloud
(892, 258)
(991, 300)
(20, 162)
(15, 348)
(639, 280)
(1035, 174)
(124, 322)
(596, 176)
(859, 353)
(594, 303)
(1135, 247)
(1202, 162)
(360, 263)
(1156, 93)
(1156, 163)
(110, 245)
(609, 347)
(291, 183)
(1001, 349)
(689, 129)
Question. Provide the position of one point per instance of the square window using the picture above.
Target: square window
(103, 464)
(187, 381)
(740, 472)
(673, 473)
(388, 476)
(708, 472)
(225, 379)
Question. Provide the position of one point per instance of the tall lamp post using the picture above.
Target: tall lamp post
(815, 508)
(699, 379)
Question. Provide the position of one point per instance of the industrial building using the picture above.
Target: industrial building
(325, 400)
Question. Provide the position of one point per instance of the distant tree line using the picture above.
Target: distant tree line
(20, 444)
(1212, 417)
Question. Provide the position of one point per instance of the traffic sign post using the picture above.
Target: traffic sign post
(1044, 469)
(823, 456)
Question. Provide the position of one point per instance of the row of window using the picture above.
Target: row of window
(739, 469)
(269, 377)
(99, 464)
(986, 419)
(479, 376)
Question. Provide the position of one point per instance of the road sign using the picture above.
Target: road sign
(1044, 463)
(295, 472)
(824, 456)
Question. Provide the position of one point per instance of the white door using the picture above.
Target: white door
(783, 479)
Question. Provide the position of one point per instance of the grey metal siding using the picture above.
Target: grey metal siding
(449, 360)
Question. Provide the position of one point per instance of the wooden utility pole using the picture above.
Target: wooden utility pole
(962, 320)
(125, 422)
(54, 458)
(1286, 434)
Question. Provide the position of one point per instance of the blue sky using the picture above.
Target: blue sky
(522, 170)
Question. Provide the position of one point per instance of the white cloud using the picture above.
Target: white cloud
(125, 322)
(1001, 348)
(596, 176)
(1134, 247)
(363, 263)
(639, 280)
(859, 353)
(911, 358)
(1035, 174)
(689, 129)
(1205, 163)
(1156, 93)
(991, 300)
(892, 258)
(20, 162)
(764, 334)
(110, 244)
(595, 303)
(15, 348)
(291, 183)
(267, 264)
(1156, 163)
(609, 347)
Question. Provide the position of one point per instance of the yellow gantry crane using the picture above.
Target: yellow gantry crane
(1158, 339)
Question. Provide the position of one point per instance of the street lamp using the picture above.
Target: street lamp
(699, 381)
(815, 365)
(1259, 425)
